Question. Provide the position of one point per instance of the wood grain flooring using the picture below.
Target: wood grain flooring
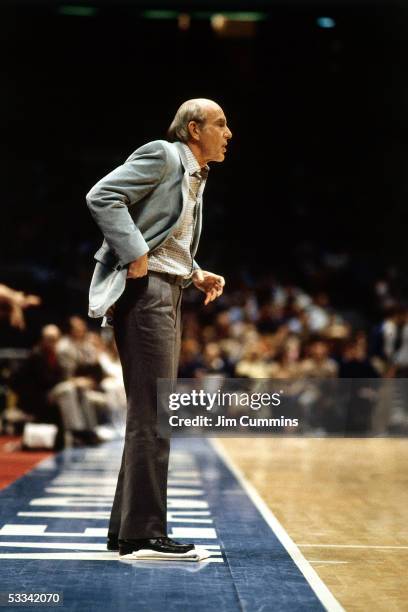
(345, 504)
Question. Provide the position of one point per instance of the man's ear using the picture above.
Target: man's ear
(193, 130)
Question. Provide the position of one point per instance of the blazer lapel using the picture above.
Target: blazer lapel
(185, 185)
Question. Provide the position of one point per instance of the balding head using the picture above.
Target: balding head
(192, 110)
(50, 334)
(201, 124)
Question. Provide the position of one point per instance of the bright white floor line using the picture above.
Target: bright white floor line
(94, 556)
(85, 546)
(379, 546)
(317, 585)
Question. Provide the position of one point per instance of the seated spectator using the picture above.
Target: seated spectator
(386, 336)
(77, 354)
(319, 312)
(271, 316)
(355, 362)
(191, 361)
(400, 357)
(48, 396)
(288, 364)
(39, 373)
(111, 392)
(362, 395)
(256, 361)
(215, 362)
(223, 324)
(317, 363)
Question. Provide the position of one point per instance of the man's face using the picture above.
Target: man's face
(213, 136)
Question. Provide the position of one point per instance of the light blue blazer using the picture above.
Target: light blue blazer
(137, 206)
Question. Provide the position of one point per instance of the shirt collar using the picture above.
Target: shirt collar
(193, 167)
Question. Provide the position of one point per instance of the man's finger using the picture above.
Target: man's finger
(208, 298)
(211, 295)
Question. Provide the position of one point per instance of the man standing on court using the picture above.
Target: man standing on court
(150, 211)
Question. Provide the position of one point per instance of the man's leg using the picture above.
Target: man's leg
(147, 332)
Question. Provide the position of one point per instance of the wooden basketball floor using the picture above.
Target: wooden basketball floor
(344, 502)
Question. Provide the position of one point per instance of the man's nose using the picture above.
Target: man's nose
(228, 133)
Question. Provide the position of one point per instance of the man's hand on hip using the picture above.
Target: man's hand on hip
(138, 268)
(208, 282)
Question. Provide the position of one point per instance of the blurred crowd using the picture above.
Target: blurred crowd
(72, 377)
(276, 331)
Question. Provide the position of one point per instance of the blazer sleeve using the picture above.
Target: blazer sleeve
(109, 200)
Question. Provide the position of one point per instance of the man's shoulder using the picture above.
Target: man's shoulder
(168, 151)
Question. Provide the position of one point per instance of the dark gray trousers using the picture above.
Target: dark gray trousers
(147, 333)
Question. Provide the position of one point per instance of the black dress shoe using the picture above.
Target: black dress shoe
(162, 545)
(112, 542)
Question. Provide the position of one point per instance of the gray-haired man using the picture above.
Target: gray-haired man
(149, 210)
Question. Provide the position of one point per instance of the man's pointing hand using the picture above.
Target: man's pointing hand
(208, 282)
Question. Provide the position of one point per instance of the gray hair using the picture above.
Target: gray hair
(192, 110)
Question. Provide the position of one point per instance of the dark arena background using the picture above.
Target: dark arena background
(307, 221)
(314, 188)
